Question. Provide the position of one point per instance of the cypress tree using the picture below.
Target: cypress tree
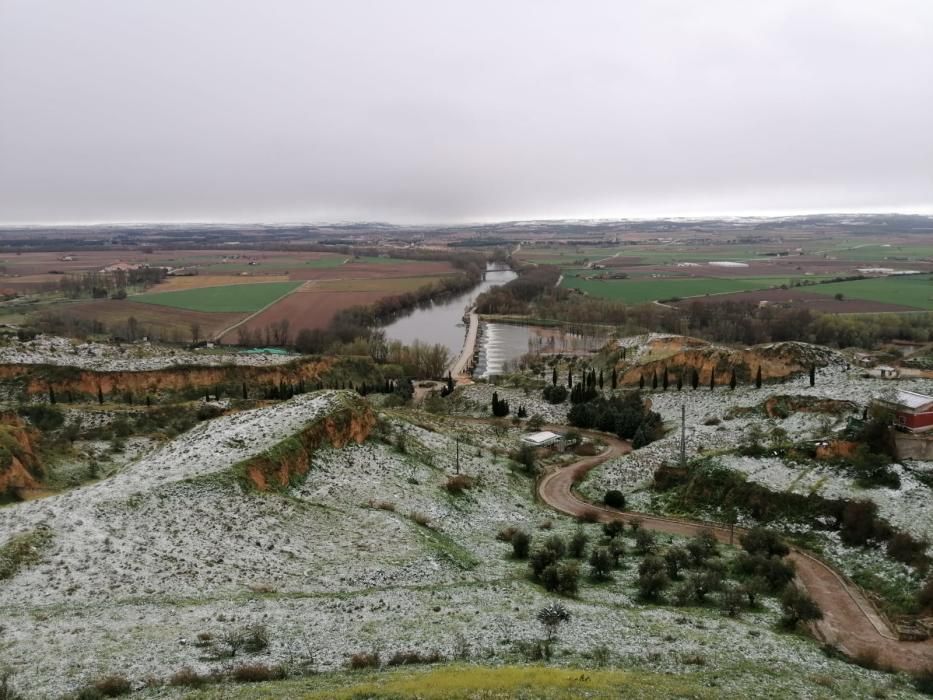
(680, 380)
(654, 380)
(758, 378)
(570, 378)
(615, 379)
(712, 379)
(100, 395)
(641, 381)
(600, 380)
(554, 376)
(695, 380)
(664, 379)
(812, 375)
(732, 381)
(245, 394)
(51, 395)
(148, 401)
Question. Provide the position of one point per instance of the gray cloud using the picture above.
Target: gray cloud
(440, 111)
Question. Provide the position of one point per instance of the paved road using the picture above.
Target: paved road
(469, 344)
(849, 622)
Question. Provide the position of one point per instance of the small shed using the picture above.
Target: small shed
(888, 372)
(544, 438)
(913, 411)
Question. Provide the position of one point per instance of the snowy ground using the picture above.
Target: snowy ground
(634, 471)
(130, 357)
(170, 548)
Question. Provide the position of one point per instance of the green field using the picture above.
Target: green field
(329, 261)
(640, 291)
(913, 290)
(378, 260)
(235, 298)
(880, 253)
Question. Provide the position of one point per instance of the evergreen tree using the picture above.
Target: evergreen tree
(245, 394)
(758, 378)
(812, 375)
(554, 376)
(680, 380)
(100, 395)
(51, 395)
(732, 381)
(641, 381)
(570, 378)
(600, 380)
(695, 380)
(615, 379)
(712, 380)
(148, 401)
(664, 379)
(654, 381)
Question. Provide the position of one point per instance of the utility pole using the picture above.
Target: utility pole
(683, 435)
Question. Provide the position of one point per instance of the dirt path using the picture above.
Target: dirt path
(218, 337)
(849, 621)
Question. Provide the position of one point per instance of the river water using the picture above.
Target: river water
(443, 322)
(499, 344)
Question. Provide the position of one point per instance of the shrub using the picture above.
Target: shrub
(408, 658)
(506, 534)
(551, 618)
(555, 544)
(577, 545)
(904, 548)
(420, 518)
(189, 678)
(458, 483)
(798, 607)
(614, 499)
(774, 570)
(765, 542)
(554, 394)
(521, 543)
(249, 639)
(923, 682)
(676, 559)
(652, 577)
(43, 417)
(705, 582)
(602, 562)
(540, 560)
(702, 547)
(112, 686)
(613, 529)
(257, 673)
(644, 541)
(365, 659)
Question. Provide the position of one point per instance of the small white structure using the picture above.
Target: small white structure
(544, 438)
(888, 372)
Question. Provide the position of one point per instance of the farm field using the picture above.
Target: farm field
(915, 291)
(801, 296)
(639, 291)
(163, 322)
(244, 298)
(386, 268)
(313, 306)
(175, 284)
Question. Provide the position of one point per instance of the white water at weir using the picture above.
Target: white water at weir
(502, 344)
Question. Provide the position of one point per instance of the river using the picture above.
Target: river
(499, 344)
(442, 322)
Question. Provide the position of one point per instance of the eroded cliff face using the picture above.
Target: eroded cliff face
(20, 466)
(777, 361)
(291, 459)
(37, 379)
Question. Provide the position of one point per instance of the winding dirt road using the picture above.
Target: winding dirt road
(850, 622)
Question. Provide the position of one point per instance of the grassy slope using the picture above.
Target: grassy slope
(232, 298)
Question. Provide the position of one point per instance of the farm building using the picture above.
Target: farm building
(545, 438)
(912, 411)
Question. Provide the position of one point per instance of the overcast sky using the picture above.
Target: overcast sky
(434, 111)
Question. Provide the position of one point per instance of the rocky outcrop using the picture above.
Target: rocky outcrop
(20, 466)
(288, 461)
(777, 361)
(36, 379)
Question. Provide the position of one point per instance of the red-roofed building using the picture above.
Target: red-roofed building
(913, 412)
